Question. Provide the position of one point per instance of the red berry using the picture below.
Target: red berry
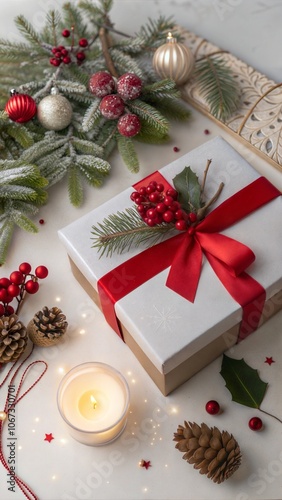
(192, 217)
(16, 277)
(212, 407)
(64, 52)
(180, 225)
(101, 84)
(31, 286)
(25, 267)
(13, 290)
(129, 125)
(54, 61)
(4, 282)
(129, 86)
(9, 298)
(66, 33)
(151, 213)
(206, 131)
(172, 192)
(66, 60)
(41, 272)
(150, 222)
(154, 197)
(80, 56)
(150, 189)
(168, 216)
(112, 106)
(179, 214)
(2, 310)
(41, 221)
(255, 423)
(160, 187)
(168, 200)
(175, 149)
(161, 208)
(83, 42)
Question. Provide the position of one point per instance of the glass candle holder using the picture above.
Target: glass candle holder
(93, 400)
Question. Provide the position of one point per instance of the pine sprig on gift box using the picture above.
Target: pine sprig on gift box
(119, 232)
(157, 212)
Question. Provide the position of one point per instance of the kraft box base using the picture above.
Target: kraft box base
(167, 382)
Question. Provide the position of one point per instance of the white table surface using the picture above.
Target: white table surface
(67, 470)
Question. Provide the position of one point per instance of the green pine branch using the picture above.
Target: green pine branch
(123, 230)
(217, 85)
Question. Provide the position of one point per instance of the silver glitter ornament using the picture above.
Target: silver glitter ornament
(54, 112)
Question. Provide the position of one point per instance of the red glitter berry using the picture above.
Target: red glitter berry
(129, 86)
(255, 423)
(102, 84)
(112, 106)
(66, 33)
(129, 125)
(212, 407)
(54, 61)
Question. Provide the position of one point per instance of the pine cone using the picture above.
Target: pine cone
(13, 338)
(214, 453)
(47, 326)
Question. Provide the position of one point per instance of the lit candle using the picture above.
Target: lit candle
(93, 400)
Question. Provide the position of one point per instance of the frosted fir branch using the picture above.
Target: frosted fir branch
(91, 115)
(70, 87)
(84, 146)
(150, 114)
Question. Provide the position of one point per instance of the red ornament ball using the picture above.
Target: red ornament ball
(112, 106)
(129, 125)
(21, 108)
(41, 272)
(102, 84)
(255, 424)
(129, 86)
(212, 407)
(16, 277)
(25, 268)
(31, 286)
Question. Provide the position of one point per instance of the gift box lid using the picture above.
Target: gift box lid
(168, 328)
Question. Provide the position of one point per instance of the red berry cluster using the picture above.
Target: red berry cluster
(17, 284)
(155, 205)
(63, 55)
(114, 95)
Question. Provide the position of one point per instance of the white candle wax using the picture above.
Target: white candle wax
(93, 399)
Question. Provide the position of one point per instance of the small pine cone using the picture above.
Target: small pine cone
(212, 452)
(13, 338)
(47, 326)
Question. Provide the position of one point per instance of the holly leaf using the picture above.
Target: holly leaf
(243, 382)
(189, 190)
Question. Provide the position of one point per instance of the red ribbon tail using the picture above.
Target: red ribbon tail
(246, 291)
(184, 274)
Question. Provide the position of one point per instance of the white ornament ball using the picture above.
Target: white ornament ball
(54, 112)
(174, 60)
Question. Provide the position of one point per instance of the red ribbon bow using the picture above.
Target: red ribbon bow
(183, 253)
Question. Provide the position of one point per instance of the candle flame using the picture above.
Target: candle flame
(93, 402)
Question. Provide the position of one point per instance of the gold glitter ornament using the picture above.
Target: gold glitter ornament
(54, 112)
(174, 60)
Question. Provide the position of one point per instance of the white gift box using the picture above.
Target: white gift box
(172, 337)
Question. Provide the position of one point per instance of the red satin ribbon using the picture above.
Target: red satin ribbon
(183, 253)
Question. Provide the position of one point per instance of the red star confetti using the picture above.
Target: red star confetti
(145, 463)
(48, 437)
(269, 361)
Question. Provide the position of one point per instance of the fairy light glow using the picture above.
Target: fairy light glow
(58, 299)
(82, 331)
(61, 370)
